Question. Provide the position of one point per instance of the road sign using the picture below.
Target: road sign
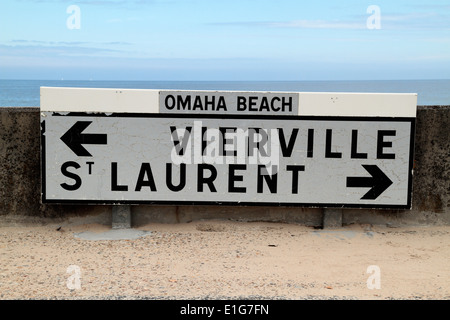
(255, 149)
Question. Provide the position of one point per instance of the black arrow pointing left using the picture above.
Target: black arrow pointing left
(74, 138)
(378, 182)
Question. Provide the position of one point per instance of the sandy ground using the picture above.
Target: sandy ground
(226, 260)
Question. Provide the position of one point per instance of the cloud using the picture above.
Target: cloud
(301, 24)
(66, 43)
(430, 6)
(38, 49)
(434, 18)
(424, 19)
(127, 3)
(388, 21)
(431, 20)
(318, 24)
(39, 42)
(121, 20)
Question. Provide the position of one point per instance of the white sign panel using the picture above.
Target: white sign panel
(264, 154)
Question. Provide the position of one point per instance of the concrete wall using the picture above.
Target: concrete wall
(20, 183)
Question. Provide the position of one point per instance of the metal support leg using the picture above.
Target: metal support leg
(332, 218)
(121, 217)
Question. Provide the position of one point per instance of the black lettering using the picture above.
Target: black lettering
(263, 142)
(264, 104)
(90, 163)
(272, 105)
(221, 104)
(252, 103)
(204, 141)
(328, 152)
(180, 147)
(259, 145)
(310, 147)
(172, 104)
(295, 170)
(146, 171)
(381, 144)
(209, 104)
(186, 104)
(232, 178)
(354, 153)
(224, 141)
(114, 185)
(271, 179)
(201, 179)
(285, 104)
(252, 144)
(241, 103)
(198, 103)
(287, 150)
(77, 184)
(169, 183)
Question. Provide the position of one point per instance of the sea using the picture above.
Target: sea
(25, 93)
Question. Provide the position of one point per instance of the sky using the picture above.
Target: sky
(236, 40)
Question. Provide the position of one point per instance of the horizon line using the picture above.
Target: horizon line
(211, 80)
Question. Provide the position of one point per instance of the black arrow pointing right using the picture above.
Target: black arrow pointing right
(378, 182)
(74, 138)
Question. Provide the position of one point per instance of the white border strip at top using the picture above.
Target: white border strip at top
(58, 99)
(357, 104)
(99, 100)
